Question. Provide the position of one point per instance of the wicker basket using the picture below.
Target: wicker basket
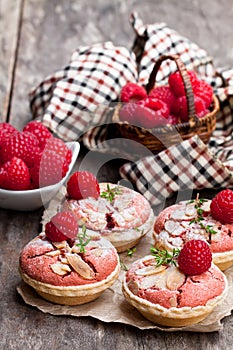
(159, 138)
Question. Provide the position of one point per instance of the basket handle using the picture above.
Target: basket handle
(186, 81)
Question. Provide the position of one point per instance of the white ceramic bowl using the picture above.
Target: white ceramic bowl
(34, 199)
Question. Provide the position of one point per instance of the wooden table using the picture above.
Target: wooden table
(37, 37)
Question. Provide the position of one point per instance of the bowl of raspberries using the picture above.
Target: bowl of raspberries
(34, 165)
(161, 116)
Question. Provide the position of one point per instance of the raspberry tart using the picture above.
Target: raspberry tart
(209, 220)
(66, 265)
(118, 213)
(166, 295)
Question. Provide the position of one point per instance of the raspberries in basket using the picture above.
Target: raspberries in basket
(164, 104)
(31, 158)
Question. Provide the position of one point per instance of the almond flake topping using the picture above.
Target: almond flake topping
(159, 280)
(175, 278)
(150, 270)
(60, 268)
(53, 253)
(80, 266)
(173, 227)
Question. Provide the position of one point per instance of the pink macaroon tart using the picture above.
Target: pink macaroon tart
(196, 219)
(121, 215)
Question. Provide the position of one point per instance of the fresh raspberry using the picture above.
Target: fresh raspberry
(176, 82)
(39, 130)
(164, 94)
(157, 105)
(132, 92)
(128, 112)
(181, 110)
(221, 207)
(58, 146)
(147, 113)
(14, 175)
(83, 184)
(203, 90)
(23, 145)
(62, 226)
(49, 168)
(195, 257)
(6, 130)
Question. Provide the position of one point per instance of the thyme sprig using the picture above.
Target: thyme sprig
(198, 204)
(164, 257)
(130, 252)
(84, 239)
(110, 193)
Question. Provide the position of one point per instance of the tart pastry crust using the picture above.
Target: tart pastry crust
(140, 291)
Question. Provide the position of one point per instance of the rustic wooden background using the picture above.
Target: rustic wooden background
(37, 37)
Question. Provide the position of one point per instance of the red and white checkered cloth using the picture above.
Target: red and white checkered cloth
(76, 104)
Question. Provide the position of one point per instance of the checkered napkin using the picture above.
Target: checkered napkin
(76, 103)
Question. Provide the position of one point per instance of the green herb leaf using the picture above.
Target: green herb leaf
(198, 204)
(130, 252)
(164, 257)
(111, 193)
(84, 239)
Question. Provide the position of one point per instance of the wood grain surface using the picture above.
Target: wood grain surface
(38, 37)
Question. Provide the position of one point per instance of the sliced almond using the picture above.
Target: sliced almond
(158, 280)
(80, 266)
(173, 301)
(217, 235)
(97, 252)
(63, 260)
(60, 245)
(60, 269)
(173, 227)
(179, 214)
(175, 278)
(206, 205)
(53, 253)
(190, 210)
(176, 241)
(151, 262)
(94, 235)
(150, 270)
(75, 249)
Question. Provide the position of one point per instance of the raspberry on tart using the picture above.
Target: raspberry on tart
(83, 184)
(62, 226)
(221, 207)
(195, 257)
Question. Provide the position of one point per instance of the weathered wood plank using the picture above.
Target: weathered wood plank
(53, 29)
(10, 12)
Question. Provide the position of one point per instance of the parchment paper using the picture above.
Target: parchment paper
(111, 305)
